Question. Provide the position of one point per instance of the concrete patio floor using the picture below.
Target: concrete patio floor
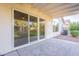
(49, 47)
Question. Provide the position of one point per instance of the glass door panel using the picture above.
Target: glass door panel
(55, 26)
(42, 28)
(20, 28)
(33, 27)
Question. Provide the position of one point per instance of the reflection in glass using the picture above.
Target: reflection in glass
(55, 26)
(42, 28)
(33, 28)
(20, 28)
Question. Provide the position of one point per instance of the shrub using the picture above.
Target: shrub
(74, 33)
(74, 29)
(74, 26)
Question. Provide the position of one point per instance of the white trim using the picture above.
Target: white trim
(28, 31)
(38, 29)
(12, 27)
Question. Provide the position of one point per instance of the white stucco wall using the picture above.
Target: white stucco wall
(6, 28)
(48, 30)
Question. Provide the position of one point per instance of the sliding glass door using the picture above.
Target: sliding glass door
(42, 28)
(20, 28)
(33, 27)
(26, 28)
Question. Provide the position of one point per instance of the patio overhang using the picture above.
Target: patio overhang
(58, 9)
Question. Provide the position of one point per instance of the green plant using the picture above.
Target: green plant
(74, 33)
(74, 26)
(74, 29)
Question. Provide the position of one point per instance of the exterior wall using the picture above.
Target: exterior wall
(54, 34)
(49, 29)
(5, 29)
(7, 24)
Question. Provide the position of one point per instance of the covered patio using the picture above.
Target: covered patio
(38, 29)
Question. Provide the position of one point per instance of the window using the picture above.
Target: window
(33, 24)
(20, 28)
(42, 28)
(55, 26)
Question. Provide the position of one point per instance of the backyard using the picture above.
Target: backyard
(73, 34)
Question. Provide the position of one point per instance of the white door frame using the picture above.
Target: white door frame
(30, 43)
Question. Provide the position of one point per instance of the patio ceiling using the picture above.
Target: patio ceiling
(57, 9)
